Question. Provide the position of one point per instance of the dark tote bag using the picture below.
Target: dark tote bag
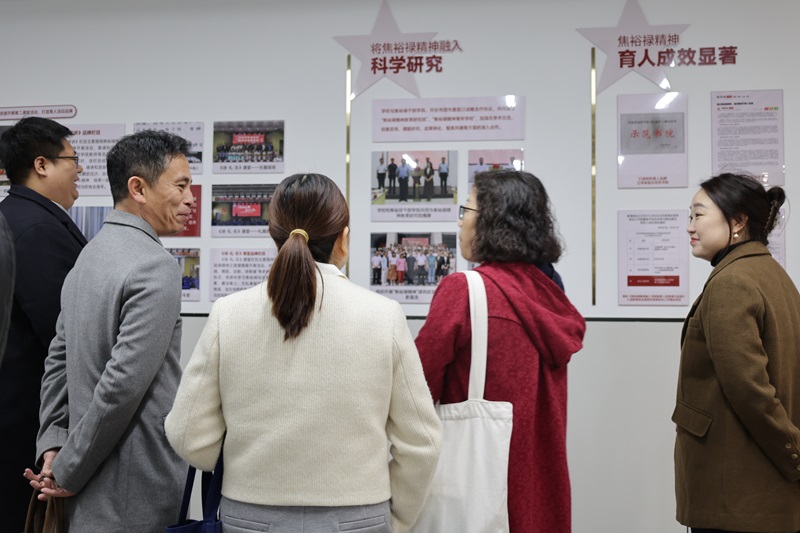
(45, 517)
(212, 495)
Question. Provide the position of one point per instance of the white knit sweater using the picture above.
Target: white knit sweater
(308, 419)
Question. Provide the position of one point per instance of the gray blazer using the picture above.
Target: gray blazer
(7, 272)
(110, 379)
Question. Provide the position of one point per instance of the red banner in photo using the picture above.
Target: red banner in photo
(247, 210)
(415, 241)
(249, 138)
(653, 281)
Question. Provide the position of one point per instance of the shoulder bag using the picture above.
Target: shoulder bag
(469, 493)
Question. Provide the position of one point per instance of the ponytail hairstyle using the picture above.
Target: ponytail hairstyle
(739, 196)
(313, 205)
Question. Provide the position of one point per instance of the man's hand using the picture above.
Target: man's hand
(44, 481)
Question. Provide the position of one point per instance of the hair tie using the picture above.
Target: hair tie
(301, 232)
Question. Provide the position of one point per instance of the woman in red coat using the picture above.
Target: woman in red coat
(507, 226)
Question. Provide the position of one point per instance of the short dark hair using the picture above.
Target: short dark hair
(741, 195)
(514, 220)
(146, 154)
(28, 139)
(312, 203)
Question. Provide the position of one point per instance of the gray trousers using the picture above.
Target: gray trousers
(239, 517)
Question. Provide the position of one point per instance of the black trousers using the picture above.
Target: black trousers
(403, 189)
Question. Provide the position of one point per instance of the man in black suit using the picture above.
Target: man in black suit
(43, 169)
(7, 268)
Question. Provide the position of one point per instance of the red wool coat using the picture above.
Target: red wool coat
(533, 332)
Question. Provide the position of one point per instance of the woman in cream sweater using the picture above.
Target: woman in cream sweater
(310, 379)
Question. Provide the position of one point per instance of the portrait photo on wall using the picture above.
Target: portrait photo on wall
(414, 185)
(407, 267)
(248, 147)
(189, 261)
(484, 160)
(240, 210)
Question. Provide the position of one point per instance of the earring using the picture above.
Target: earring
(735, 235)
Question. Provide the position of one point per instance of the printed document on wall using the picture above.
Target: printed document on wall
(653, 258)
(747, 134)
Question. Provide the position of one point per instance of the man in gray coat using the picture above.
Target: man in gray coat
(114, 366)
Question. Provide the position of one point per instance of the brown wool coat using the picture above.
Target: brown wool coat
(737, 449)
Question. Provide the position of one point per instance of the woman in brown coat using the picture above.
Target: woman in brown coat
(737, 465)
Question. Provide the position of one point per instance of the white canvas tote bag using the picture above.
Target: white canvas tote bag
(470, 487)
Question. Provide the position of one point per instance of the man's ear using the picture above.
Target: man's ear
(136, 189)
(40, 166)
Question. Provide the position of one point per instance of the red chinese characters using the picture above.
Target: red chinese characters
(683, 57)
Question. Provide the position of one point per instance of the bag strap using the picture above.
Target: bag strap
(187, 495)
(210, 492)
(54, 516)
(213, 498)
(479, 322)
(46, 516)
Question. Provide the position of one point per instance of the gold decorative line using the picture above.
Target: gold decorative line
(594, 178)
(347, 110)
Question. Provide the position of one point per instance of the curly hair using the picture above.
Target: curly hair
(514, 221)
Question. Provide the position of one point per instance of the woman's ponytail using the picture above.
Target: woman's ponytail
(307, 214)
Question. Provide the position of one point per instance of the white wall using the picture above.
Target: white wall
(619, 434)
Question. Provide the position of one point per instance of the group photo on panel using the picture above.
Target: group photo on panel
(414, 176)
(412, 261)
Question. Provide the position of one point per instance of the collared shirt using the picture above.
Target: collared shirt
(60, 206)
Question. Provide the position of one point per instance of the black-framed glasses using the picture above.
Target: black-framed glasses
(463, 209)
(73, 157)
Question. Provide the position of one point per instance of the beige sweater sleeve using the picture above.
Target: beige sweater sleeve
(195, 425)
(413, 429)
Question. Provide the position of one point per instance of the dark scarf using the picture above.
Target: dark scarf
(722, 253)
